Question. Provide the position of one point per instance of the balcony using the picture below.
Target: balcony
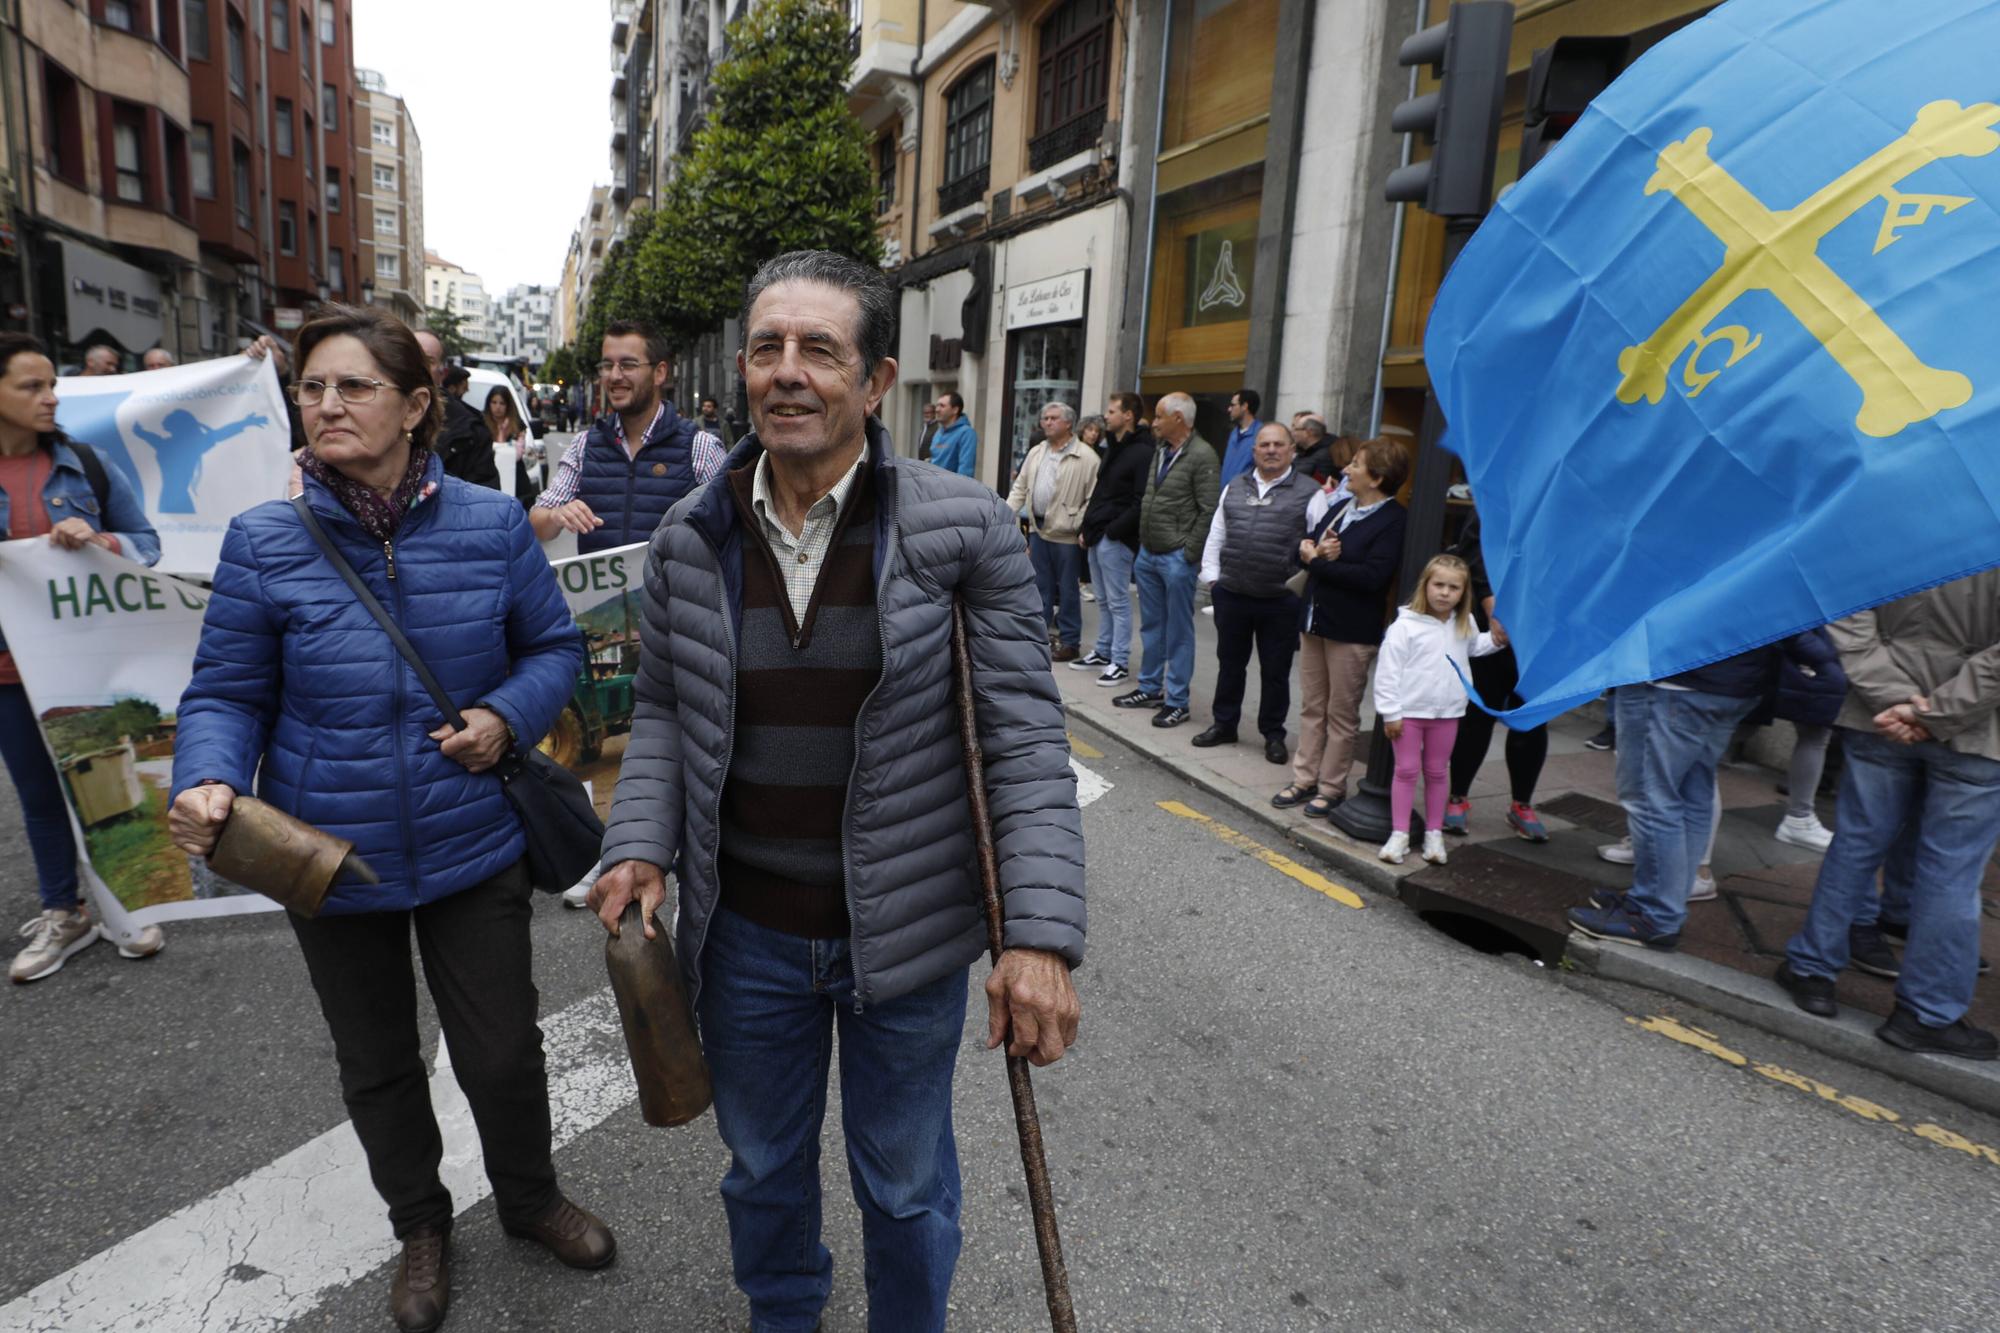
(621, 126)
(964, 192)
(1078, 136)
(622, 15)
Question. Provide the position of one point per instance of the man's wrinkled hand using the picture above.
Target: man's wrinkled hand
(622, 883)
(195, 819)
(1032, 1006)
(1902, 723)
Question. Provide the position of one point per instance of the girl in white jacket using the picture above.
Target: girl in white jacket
(1420, 698)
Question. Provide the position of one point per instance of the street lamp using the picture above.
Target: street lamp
(368, 293)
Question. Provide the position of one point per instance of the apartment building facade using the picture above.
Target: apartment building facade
(389, 193)
(522, 323)
(455, 290)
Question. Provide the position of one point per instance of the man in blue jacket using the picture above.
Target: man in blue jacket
(954, 448)
(822, 837)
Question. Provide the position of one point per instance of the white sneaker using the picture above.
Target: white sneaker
(1088, 595)
(1617, 853)
(52, 938)
(145, 944)
(1804, 831)
(1703, 890)
(1398, 847)
(578, 894)
(1433, 846)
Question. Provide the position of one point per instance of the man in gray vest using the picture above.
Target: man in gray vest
(1253, 545)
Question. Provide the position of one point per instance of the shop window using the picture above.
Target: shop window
(1204, 260)
(201, 155)
(239, 61)
(1219, 66)
(195, 15)
(1072, 81)
(281, 127)
(1047, 367)
(281, 25)
(240, 183)
(128, 154)
(63, 122)
(885, 173)
(968, 139)
(288, 227)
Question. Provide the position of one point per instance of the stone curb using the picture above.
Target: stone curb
(1747, 998)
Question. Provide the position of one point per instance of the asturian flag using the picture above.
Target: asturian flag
(1726, 364)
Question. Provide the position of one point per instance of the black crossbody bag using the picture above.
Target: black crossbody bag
(564, 833)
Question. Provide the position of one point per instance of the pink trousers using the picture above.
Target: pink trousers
(1424, 745)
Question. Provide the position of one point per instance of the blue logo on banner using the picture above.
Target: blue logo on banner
(179, 441)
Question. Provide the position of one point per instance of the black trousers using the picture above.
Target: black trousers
(1495, 677)
(1272, 625)
(478, 966)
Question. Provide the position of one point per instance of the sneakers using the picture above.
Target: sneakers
(1606, 739)
(1171, 717)
(1525, 822)
(52, 937)
(149, 941)
(1088, 595)
(1617, 853)
(1960, 1039)
(1140, 698)
(578, 894)
(1113, 675)
(1620, 924)
(1457, 814)
(1703, 889)
(1812, 994)
(1398, 847)
(1433, 846)
(1804, 831)
(1868, 952)
(1090, 661)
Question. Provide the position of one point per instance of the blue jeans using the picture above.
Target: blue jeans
(1899, 882)
(1111, 575)
(42, 807)
(770, 1005)
(1166, 624)
(1953, 801)
(1669, 745)
(1058, 572)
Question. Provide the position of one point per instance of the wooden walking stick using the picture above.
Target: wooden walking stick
(1055, 1277)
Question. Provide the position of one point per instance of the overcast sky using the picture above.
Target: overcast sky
(512, 100)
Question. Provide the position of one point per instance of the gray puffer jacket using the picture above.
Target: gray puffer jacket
(912, 881)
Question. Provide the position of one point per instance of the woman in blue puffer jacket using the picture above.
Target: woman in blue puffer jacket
(296, 685)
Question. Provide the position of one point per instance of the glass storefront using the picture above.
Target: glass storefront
(1044, 365)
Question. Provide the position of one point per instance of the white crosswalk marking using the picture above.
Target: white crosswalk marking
(264, 1250)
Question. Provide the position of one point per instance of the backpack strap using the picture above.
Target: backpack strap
(93, 472)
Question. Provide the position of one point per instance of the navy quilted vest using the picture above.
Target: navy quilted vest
(633, 494)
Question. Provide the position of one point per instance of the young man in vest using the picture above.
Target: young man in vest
(796, 754)
(1253, 546)
(617, 480)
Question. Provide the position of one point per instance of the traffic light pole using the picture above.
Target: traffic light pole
(1365, 815)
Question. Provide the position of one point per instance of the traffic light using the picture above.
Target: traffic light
(1467, 54)
(1563, 80)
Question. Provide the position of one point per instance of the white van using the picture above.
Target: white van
(484, 380)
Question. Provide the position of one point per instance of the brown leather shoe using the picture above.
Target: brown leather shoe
(1064, 653)
(571, 1235)
(422, 1291)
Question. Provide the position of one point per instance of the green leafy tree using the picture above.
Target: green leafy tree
(561, 367)
(450, 331)
(781, 164)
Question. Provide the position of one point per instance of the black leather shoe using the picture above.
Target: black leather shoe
(1215, 735)
(421, 1293)
(571, 1235)
(1171, 717)
(1960, 1039)
(1812, 994)
(1275, 750)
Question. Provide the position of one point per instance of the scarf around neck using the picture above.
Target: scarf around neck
(378, 517)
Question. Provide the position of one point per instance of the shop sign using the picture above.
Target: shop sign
(109, 294)
(288, 317)
(1057, 300)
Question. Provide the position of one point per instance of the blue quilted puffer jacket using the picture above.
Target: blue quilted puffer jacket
(294, 672)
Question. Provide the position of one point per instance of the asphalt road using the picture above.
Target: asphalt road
(1283, 1114)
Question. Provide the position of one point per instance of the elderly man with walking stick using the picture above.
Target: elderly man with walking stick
(794, 746)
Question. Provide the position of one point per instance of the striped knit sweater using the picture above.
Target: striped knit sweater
(799, 691)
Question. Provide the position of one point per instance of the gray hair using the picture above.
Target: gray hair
(1093, 421)
(1177, 403)
(1068, 412)
(868, 285)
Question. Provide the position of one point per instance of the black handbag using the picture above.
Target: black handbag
(565, 836)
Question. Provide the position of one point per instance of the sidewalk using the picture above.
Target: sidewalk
(1728, 948)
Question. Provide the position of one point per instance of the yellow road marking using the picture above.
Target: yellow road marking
(1084, 749)
(1709, 1044)
(1283, 864)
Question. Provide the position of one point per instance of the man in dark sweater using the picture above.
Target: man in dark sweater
(1252, 549)
(794, 751)
(1111, 535)
(463, 444)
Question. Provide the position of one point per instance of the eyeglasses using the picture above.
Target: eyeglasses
(628, 366)
(352, 390)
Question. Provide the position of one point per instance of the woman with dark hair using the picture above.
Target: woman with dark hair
(53, 487)
(503, 418)
(297, 685)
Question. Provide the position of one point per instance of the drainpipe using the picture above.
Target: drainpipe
(917, 158)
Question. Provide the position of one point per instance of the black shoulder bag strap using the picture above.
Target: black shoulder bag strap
(374, 608)
(93, 472)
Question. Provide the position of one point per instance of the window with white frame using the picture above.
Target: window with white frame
(387, 265)
(384, 133)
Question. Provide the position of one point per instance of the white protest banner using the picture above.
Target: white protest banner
(105, 648)
(602, 590)
(200, 444)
